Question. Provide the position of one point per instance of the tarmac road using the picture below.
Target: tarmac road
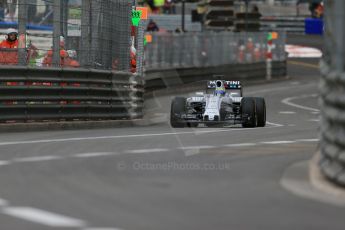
(154, 178)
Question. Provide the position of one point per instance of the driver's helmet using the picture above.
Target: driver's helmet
(220, 88)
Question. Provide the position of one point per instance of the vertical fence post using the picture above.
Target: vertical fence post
(269, 57)
(85, 41)
(22, 21)
(56, 32)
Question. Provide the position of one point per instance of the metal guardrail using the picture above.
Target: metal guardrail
(333, 125)
(55, 94)
(332, 88)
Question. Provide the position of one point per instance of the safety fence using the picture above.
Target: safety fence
(82, 33)
(249, 72)
(67, 94)
(295, 25)
(332, 87)
(209, 49)
(79, 68)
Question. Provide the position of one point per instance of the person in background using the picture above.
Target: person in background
(152, 26)
(65, 59)
(7, 56)
(133, 60)
(256, 10)
(169, 7)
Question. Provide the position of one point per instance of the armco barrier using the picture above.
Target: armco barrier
(57, 94)
(161, 78)
(333, 125)
(332, 87)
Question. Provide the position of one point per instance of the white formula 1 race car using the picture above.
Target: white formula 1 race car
(221, 105)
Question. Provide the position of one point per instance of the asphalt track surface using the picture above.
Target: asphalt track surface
(157, 178)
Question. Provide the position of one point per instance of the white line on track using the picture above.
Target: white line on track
(240, 145)
(37, 159)
(89, 155)
(133, 136)
(288, 100)
(308, 140)
(43, 217)
(287, 112)
(277, 142)
(138, 151)
(2, 163)
(314, 120)
(274, 124)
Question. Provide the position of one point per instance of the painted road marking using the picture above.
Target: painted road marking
(4, 163)
(314, 120)
(143, 151)
(37, 159)
(277, 142)
(240, 145)
(274, 124)
(288, 100)
(287, 112)
(43, 217)
(308, 140)
(89, 155)
(133, 136)
(138, 151)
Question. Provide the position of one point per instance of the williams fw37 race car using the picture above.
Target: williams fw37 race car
(221, 105)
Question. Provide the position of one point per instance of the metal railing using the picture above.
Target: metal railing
(55, 94)
(207, 49)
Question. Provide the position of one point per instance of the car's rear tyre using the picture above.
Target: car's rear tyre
(178, 106)
(260, 111)
(248, 109)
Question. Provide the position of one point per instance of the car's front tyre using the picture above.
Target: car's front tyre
(248, 109)
(178, 106)
(260, 111)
